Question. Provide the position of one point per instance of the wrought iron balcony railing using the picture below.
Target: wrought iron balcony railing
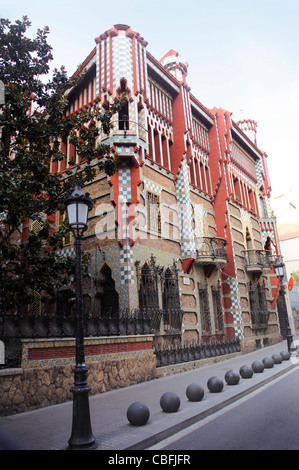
(258, 260)
(211, 250)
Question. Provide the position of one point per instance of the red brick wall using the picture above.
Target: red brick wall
(90, 350)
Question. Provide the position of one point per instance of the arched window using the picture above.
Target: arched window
(148, 287)
(205, 316)
(171, 295)
(123, 114)
(108, 295)
(237, 189)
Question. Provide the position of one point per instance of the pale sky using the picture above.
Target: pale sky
(242, 56)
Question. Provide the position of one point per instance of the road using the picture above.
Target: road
(267, 419)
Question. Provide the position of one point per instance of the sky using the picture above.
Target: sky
(242, 56)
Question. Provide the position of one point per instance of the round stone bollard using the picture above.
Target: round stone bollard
(285, 355)
(268, 362)
(246, 372)
(215, 385)
(232, 377)
(170, 402)
(138, 414)
(257, 367)
(195, 392)
(277, 358)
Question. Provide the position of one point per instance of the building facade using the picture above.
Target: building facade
(183, 231)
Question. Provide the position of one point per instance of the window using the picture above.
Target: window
(109, 295)
(251, 200)
(154, 284)
(153, 212)
(172, 313)
(237, 189)
(258, 303)
(204, 308)
(217, 307)
(148, 287)
(171, 295)
(123, 114)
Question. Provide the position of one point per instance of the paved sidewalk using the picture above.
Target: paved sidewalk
(50, 428)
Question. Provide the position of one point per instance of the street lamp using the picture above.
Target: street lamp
(279, 271)
(78, 205)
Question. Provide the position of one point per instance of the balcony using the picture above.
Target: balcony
(211, 251)
(257, 260)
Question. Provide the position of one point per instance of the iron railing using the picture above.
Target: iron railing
(211, 249)
(258, 260)
(14, 328)
(192, 351)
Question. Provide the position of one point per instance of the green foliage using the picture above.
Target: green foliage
(28, 144)
(295, 275)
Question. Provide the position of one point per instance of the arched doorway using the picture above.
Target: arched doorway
(108, 296)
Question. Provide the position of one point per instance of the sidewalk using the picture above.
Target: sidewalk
(50, 428)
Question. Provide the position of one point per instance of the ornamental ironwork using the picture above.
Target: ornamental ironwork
(258, 304)
(217, 307)
(258, 260)
(159, 287)
(211, 250)
(192, 351)
(204, 308)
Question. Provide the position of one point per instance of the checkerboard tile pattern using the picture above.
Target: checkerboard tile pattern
(236, 308)
(259, 171)
(69, 251)
(235, 297)
(266, 234)
(184, 203)
(127, 263)
(124, 181)
(122, 60)
(126, 254)
(151, 186)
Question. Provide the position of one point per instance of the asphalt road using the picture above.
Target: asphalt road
(267, 419)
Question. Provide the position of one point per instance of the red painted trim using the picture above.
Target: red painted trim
(134, 64)
(105, 65)
(111, 66)
(187, 265)
(36, 354)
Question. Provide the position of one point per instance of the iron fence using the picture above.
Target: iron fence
(192, 351)
(124, 322)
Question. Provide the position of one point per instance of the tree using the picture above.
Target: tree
(30, 194)
(295, 275)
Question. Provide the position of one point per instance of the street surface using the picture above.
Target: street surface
(267, 419)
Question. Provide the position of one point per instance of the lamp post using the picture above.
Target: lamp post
(78, 205)
(279, 271)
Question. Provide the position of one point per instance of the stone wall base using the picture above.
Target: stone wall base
(46, 375)
(28, 389)
(251, 344)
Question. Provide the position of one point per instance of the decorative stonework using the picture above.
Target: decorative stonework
(38, 354)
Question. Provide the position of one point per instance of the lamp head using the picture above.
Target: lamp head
(78, 205)
(279, 269)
